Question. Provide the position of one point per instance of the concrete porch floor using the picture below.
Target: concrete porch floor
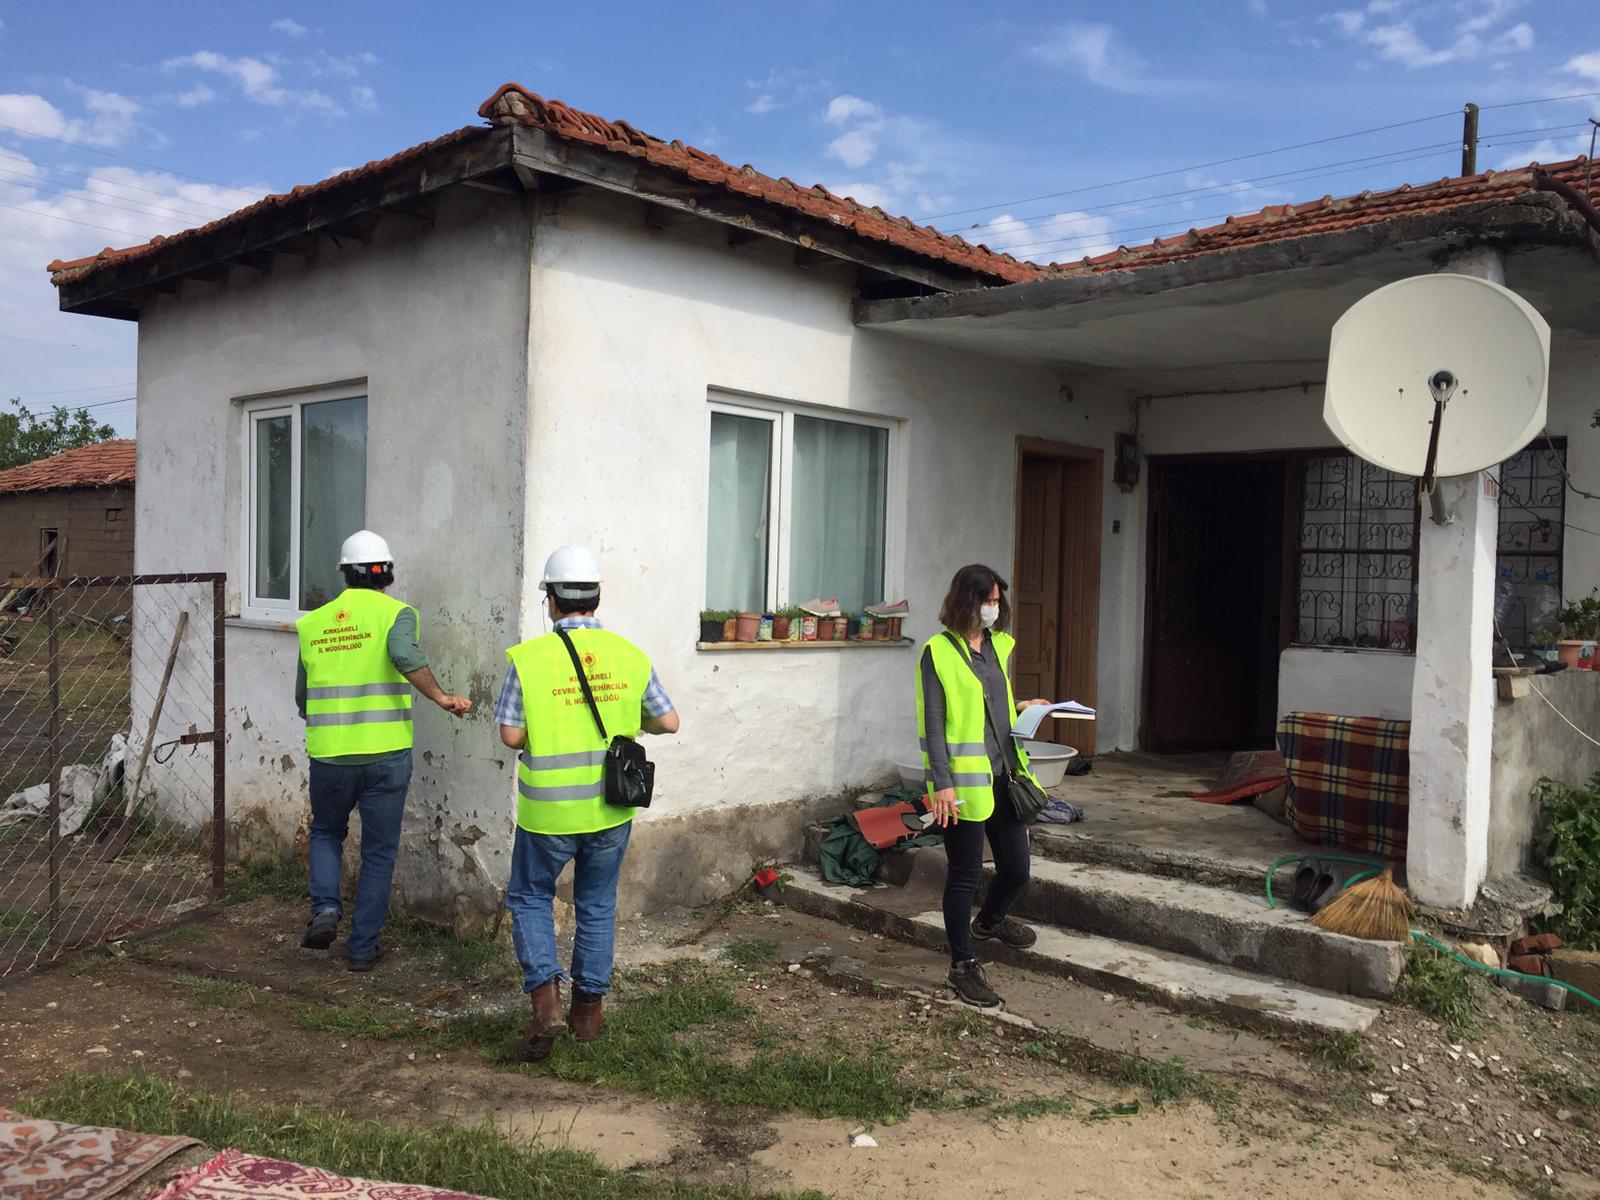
(1138, 815)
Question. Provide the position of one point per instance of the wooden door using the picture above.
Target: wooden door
(1055, 592)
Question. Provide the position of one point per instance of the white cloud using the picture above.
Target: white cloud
(1259, 7)
(41, 347)
(199, 94)
(258, 81)
(111, 118)
(289, 27)
(340, 66)
(1095, 51)
(1458, 31)
(1059, 237)
(1586, 65)
(842, 110)
(764, 103)
(854, 149)
(784, 88)
(364, 98)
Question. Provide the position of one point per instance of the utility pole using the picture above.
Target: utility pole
(1469, 140)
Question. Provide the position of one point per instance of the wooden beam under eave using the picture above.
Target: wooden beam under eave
(256, 260)
(549, 156)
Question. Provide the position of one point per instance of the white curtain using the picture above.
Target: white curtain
(333, 492)
(274, 437)
(739, 520)
(840, 500)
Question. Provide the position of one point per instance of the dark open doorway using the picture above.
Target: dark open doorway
(1216, 596)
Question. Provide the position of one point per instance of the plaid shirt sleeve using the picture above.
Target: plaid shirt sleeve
(656, 702)
(509, 710)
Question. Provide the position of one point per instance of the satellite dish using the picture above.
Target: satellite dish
(1438, 375)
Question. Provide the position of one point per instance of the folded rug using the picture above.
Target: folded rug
(1248, 773)
(235, 1175)
(46, 1160)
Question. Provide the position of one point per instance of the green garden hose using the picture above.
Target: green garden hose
(1417, 934)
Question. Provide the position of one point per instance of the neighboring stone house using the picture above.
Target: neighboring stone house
(743, 393)
(71, 515)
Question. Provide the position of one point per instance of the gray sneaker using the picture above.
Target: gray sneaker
(1010, 931)
(971, 987)
(321, 930)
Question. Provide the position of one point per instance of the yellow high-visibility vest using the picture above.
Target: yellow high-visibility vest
(964, 721)
(560, 787)
(356, 701)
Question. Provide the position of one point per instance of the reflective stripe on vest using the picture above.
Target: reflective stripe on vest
(964, 721)
(560, 788)
(356, 701)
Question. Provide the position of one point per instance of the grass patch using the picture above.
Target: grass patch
(1173, 1079)
(365, 1019)
(480, 1160)
(266, 877)
(213, 993)
(750, 952)
(1034, 1107)
(464, 960)
(1347, 1051)
(1442, 987)
(1566, 1086)
(1197, 1023)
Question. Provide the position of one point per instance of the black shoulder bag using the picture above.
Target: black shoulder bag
(1027, 798)
(630, 777)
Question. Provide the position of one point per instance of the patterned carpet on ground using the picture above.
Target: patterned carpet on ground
(43, 1160)
(235, 1175)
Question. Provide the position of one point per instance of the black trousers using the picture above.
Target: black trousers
(963, 848)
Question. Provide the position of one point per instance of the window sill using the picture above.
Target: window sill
(884, 644)
(259, 623)
(1352, 649)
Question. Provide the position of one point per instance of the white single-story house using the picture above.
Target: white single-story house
(743, 393)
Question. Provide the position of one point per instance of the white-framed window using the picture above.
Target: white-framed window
(799, 503)
(305, 492)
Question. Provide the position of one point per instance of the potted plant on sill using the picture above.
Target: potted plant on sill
(1577, 629)
(748, 626)
(786, 624)
(713, 624)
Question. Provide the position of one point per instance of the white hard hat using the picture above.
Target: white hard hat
(568, 566)
(363, 547)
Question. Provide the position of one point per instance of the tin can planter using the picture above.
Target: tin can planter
(838, 628)
(730, 629)
(864, 628)
(894, 628)
(780, 628)
(764, 630)
(749, 627)
(808, 628)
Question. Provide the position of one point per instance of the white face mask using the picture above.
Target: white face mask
(989, 614)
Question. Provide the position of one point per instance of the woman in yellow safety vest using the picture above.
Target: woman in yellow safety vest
(965, 709)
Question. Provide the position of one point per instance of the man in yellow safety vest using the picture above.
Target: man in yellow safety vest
(562, 813)
(359, 661)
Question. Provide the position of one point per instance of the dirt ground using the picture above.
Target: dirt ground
(1510, 1111)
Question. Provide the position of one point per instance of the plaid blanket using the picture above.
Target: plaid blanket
(1349, 781)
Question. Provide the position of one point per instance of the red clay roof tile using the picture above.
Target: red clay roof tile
(514, 104)
(104, 464)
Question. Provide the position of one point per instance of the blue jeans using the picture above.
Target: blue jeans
(537, 860)
(378, 790)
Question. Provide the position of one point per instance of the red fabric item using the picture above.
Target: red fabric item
(1248, 773)
(883, 827)
(766, 878)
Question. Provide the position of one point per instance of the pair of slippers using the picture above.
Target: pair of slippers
(1316, 883)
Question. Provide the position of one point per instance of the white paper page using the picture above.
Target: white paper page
(1028, 723)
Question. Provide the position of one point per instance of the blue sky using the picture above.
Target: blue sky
(118, 122)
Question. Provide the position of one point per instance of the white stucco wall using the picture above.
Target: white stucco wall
(435, 322)
(631, 329)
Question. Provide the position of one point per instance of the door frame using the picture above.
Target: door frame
(1086, 624)
(1286, 584)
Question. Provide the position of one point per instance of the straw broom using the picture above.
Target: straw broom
(1376, 909)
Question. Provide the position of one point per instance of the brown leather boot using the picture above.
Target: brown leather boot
(584, 1019)
(545, 1025)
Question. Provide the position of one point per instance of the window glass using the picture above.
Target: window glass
(333, 491)
(840, 495)
(274, 500)
(739, 519)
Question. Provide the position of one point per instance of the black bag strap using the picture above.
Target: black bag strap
(583, 682)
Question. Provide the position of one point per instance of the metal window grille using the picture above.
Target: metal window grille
(1533, 513)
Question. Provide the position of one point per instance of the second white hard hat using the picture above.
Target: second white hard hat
(363, 547)
(569, 566)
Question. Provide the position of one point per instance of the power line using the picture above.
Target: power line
(70, 221)
(1546, 100)
(120, 158)
(51, 187)
(1220, 162)
(116, 184)
(99, 387)
(95, 404)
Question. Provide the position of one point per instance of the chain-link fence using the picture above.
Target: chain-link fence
(111, 765)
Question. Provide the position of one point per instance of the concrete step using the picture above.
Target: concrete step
(1228, 928)
(1174, 980)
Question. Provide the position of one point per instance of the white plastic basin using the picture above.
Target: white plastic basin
(910, 773)
(1049, 761)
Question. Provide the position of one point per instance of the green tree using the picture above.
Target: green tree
(27, 436)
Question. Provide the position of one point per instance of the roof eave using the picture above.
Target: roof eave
(1531, 218)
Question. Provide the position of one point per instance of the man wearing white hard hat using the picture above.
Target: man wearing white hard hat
(359, 661)
(562, 812)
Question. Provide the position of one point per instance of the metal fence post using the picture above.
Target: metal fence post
(219, 742)
(51, 595)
